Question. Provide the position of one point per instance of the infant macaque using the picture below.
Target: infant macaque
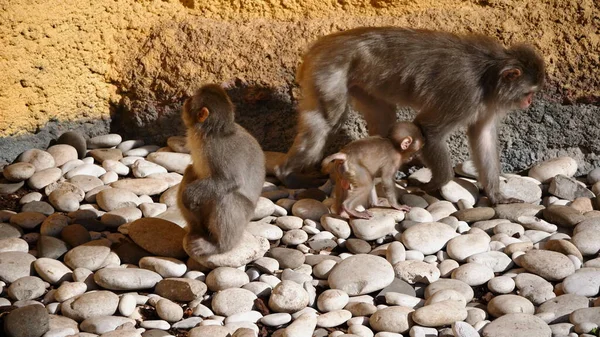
(357, 164)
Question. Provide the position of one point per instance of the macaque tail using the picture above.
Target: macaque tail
(325, 164)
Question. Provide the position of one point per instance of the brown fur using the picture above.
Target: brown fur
(358, 163)
(219, 191)
(451, 80)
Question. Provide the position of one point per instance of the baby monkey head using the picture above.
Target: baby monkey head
(407, 138)
(209, 111)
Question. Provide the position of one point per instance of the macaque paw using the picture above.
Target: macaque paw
(360, 215)
(196, 245)
(404, 208)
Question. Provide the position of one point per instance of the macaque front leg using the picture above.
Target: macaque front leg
(387, 179)
(484, 150)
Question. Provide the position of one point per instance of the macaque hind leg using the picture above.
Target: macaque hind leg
(435, 153)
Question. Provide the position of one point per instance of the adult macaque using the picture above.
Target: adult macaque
(450, 80)
(219, 191)
(358, 163)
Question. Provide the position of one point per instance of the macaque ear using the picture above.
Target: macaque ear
(511, 74)
(202, 115)
(406, 143)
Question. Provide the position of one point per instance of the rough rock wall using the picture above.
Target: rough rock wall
(124, 66)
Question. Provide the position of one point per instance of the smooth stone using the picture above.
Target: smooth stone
(143, 168)
(548, 169)
(27, 321)
(226, 277)
(9, 231)
(522, 189)
(164, 266)
(75, 235)
(62, 153)
(71, 164)
(475, 214)
(126, 278)
(115, 166)
(419, 215)
(30, 197)
(440, 313)
(358, 246)
(142, 186)
(64, 200)
(86, 183)
(100, 155)
(413, 200)
(249, 248)
(587, 242)
(75, 140)
(456, 285)
(178, 144)
(463, 329)
(265, 230)
(333, 318)
(353, 277)
(187, 323)
(567, 188)
(509, 304)
(18, 172)
(392, 319)
(563, 216)
(331, 300)
(152, 210)
(92, 304)
(87, 256)
(394, 213)
(105, 324)
(69, 290)
(288, 296)
(169, 311)
(309, 209)
(43, 178)
(458, 189)
(534, 288)
(441, 209)
(142, 151)
(264, 208)
(14, 265)
(233, 301)
(473, 274)
(277, 319)
(512, 212)
(13, 245)
(86, 169)
(120, 216)
(287, 258)
(294, 237)
(108, 140)
(130, 144)
(52, 271)
(416, 272)
(428, 238)
(38, 207)
(336, 226)
(517, 325)
(116, 198)
(562, 306)
(499, 262)
(26, 288)
(585, 282)
(461, 247)
(159, 237)
(210, 331)
(172, 161)
(10, 188)
(376, 227)
(181, 289)
(501, 285)
(41, 159)
(510, 229)
(550, 265)
(563, 246)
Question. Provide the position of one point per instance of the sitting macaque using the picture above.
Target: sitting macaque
(357, 164)
(219, 190)
(451, 80)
